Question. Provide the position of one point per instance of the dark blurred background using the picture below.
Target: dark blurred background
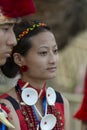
(66, 17)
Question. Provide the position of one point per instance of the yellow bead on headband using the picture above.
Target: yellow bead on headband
(27, 30)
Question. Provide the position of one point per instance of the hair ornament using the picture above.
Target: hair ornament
(27, 30)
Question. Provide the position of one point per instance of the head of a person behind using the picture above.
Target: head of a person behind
(9, 16)
(35, 55)
(7, 37)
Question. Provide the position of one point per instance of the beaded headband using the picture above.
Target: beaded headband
(27, 30)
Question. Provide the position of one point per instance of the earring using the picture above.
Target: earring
(23, 68)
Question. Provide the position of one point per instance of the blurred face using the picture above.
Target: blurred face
(7, 41)
(42, 58)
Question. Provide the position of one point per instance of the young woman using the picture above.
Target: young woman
(34, 105)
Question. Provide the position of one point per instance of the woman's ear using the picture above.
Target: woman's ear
(18, 59)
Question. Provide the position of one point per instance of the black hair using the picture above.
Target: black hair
(10, 69)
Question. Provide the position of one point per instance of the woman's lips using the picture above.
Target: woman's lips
(52, 69)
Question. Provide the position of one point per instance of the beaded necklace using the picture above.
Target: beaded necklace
(29, 115)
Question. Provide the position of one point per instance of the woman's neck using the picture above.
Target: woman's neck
(34, 82)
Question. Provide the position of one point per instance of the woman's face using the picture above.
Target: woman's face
(42, 58)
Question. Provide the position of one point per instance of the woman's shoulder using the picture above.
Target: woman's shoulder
(63, 104)
(66, 102)
(61, 98)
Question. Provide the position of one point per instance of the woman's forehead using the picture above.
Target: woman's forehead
(43, 36)
(43, 40)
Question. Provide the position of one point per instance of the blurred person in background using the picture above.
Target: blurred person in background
(81, 114)
(79, 89)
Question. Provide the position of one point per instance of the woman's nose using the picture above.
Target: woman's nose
(53, 58)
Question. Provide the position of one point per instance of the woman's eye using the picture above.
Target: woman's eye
(56, 51)
(43, 53)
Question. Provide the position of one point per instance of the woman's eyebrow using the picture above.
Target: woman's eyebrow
(44, 46)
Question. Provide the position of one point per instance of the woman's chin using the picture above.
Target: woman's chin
(52, 76)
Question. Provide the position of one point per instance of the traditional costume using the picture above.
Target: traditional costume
(10, 12)
(26, 109)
